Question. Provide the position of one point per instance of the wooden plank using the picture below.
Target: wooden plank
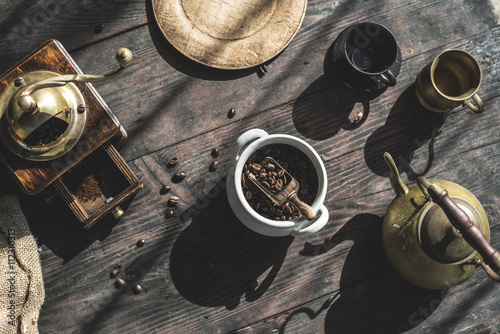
(455, 155)
(27, 24)
(391, 305)
(176, 108)
(175, 99)
(310, 267)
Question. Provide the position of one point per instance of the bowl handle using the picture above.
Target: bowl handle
(309, 227)
(246, 138)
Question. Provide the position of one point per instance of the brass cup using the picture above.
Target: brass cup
(450, 80)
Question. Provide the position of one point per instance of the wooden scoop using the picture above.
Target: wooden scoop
(287, 194)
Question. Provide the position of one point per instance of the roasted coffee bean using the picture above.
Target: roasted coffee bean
(137, 289)
(141, 242)
(119, 283)
(253, 285)
(116, 270)
(178, 177)
(98, 28)
(231, 113)
(214, 165)
(173, 201)
(256, 168)
(169, 213)
(215, 153)
(173, 162)
(164, 190)
(272, 180)
(209, 266)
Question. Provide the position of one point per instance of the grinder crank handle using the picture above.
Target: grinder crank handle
(28, 104)
(461, 221)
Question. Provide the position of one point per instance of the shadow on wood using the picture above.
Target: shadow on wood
(56, 227)
(327, 105)
(216, 259)
(408, 127)
(370, 293)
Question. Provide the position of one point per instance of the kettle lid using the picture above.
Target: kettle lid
(440, 240)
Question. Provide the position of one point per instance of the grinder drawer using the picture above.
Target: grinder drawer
(98, 185)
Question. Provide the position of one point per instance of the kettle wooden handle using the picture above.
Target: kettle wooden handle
(461, 221)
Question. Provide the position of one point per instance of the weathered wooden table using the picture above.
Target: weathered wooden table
(337, 281)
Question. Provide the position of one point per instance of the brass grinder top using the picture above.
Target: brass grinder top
(43, 113)
(36, 135)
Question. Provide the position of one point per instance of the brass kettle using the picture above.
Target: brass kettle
(47, 104)
(436, 233)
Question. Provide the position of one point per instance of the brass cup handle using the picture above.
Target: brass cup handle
(28, 104)
(461, 221)
(480, 105)
(387, 78)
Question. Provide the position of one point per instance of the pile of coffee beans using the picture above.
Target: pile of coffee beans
(275, 179)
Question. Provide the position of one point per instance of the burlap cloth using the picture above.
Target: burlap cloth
(21, 284)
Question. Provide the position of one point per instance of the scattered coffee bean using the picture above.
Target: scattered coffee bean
(137, 289)
(169, 213)
(214, 165)
(141, 242)
(210, 266)
(164, 190)
(119, 283)
(173, 162)
(253, 285)
(178, 177)
(215, 153)
(231, 113)
(116, 270)
(173, 201)
(98, 28)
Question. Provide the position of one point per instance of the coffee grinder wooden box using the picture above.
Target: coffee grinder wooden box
(91, 177)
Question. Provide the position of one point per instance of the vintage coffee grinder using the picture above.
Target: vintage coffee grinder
(55, 129)
(436, 233)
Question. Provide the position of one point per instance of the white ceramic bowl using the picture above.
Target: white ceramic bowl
(246, 145)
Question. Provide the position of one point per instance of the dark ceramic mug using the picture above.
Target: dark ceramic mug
(370, 50)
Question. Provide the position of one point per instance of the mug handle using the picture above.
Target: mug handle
(480, 105)
(309, 227)
(245, 139)
(387, 78)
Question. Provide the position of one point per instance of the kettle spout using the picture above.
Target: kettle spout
(397, 184)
